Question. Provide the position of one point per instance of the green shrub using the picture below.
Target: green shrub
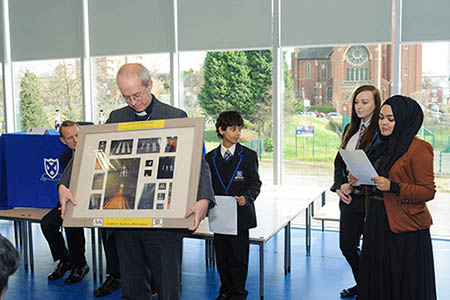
(324, 109)
(268, 144)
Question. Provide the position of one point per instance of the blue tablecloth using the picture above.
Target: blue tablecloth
(29, 169)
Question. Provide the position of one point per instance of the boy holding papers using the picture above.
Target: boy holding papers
(234, 170)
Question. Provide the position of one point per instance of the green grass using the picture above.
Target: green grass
(325, 141)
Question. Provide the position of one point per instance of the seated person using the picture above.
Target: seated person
(72, 259)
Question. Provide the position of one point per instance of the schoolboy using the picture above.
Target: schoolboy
(234, 171)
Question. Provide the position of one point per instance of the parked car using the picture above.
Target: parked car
(333, 115)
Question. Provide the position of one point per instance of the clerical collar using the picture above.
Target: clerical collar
(146, 114)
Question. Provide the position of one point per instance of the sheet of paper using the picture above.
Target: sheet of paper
(359, 165)
(223, 217)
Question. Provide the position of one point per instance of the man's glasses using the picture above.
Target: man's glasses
(136, 96)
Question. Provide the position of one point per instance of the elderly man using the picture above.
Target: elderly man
(143, 252)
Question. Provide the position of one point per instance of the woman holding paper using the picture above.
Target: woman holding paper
(397, 256)
(366, 102)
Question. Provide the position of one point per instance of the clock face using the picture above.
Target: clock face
(357, 55)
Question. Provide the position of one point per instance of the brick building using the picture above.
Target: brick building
(328, 75)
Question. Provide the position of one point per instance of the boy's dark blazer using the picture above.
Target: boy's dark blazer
(240, 176)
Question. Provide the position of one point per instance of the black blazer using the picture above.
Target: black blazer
(238, 177)
(65, 157)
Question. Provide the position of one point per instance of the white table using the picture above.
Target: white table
(276, 207)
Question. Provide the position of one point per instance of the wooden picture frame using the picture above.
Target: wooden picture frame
(136, 174)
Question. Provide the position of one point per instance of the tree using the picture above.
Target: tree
(227, 84)
(223, 71)
(260, 65)
(62, 91)
(31, 103)
(292, 105)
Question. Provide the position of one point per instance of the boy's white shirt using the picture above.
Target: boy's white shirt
(223, 149)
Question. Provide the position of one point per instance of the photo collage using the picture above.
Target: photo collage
(134, 174)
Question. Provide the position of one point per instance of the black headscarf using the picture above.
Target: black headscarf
(385, 151)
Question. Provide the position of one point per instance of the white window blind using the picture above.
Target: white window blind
(45, 29)
(218, 24)
(426, 20)
(118, 27)
(328, 22)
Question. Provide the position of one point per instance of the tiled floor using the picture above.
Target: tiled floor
(320, 276)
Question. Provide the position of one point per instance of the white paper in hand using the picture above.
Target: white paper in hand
(359, 165)
(223, 217)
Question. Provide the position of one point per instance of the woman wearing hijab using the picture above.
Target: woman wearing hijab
(361, 131)
(397, 255)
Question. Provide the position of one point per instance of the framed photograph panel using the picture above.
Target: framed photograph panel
(136, 174)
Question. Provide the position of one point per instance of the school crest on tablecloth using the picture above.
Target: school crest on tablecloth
(51, 169)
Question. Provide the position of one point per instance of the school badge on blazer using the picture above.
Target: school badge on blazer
(239, 176)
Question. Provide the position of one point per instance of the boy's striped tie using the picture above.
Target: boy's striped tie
(227, 155)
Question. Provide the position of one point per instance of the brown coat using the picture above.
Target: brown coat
(414, 171)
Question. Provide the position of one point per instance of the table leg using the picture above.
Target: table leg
(287, 234)
(213, 254)
(20, 234)
(289, 248)
(94, 254)
(308, 229)
(30, 245)
(323, 203)
(261, 270)
(100, 256)
(207, 253)
(16, 233)
(25, 244)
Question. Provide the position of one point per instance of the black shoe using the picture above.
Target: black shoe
(350, 292)
(223, 297)
(77, 274)
(111, 284)
(60, 270)
(155, 295)
(240, 295)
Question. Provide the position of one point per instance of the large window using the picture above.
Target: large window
(2, 112)
(46, 91)
(310, 137)
(215, 81)
(107, 96)
(428, 82)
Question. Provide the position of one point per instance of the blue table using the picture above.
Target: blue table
(29, 169)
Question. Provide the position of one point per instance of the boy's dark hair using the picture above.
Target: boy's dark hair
(228, 118)
(9, 261)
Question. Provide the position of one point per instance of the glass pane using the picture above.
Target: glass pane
(214, 81)
(428, 82)
(319, 106)
(47, 92)
(106, 93)
(2, 116)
